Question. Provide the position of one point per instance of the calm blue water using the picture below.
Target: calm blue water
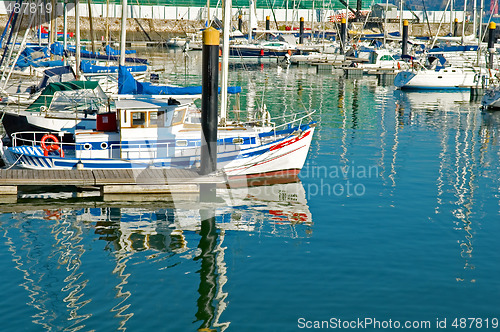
(396, 218)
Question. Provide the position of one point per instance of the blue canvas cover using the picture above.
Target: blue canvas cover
(56, 74)
(32, 55)
(127, 84)
(112, 51)
(57, 49)
(90, 67)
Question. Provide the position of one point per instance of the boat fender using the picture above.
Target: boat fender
(54, 145)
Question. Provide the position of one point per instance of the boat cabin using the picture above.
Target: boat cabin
(138, 129)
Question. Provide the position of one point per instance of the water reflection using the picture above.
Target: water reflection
(55, 249)
(47, 249)
(433, 101)
(466, 139)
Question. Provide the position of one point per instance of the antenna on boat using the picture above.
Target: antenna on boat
(123, 32)
(77, 36)
(225, 60)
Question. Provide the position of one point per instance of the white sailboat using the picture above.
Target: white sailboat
(455, 78)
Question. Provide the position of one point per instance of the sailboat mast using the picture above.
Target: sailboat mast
(452, 17)
(463, 20)
(91, 25)
(225, 61)
(480, 36)
(474, 16)
(250, 21)
(385, 22)
(53, 25)
(400, 15)
(65, 27)
(77, 36)
(123, 35)
(208, 14)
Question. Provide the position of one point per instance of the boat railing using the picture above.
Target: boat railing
(296, 121)
(30, 138)
(139, 150)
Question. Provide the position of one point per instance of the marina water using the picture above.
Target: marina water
(395, 221)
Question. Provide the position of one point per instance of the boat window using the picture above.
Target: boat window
(178, 117)
(193, 118)
(155, 119)
(182, 143)
(138, 119)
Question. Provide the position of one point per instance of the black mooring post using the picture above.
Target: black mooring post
(301, 31)
(455, 28)
(404, 46)
(209, 100)
(208, 270)
(342, 35)
(240, 23)
(268, 26)
(491, 43)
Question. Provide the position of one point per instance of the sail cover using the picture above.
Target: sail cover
(127, 84)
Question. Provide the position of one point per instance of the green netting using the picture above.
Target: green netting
(48, 93)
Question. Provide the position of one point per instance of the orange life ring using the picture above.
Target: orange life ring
(54, 146)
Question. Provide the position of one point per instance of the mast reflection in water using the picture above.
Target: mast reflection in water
(77, 262)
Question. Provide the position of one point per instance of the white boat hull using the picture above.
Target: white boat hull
(449, 78)
(284, 157)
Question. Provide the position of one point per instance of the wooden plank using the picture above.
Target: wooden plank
(99, 176)
(24, 174)
(119, 176)
(8, 190)
(88, 175)
(129, 174)
(150, 189)
(28, 175)
(170, 174)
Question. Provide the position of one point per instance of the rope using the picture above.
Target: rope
(22, 154)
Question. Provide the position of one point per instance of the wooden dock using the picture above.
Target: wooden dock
(144, 181)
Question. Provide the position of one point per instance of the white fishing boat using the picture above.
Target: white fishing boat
(143, 135)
